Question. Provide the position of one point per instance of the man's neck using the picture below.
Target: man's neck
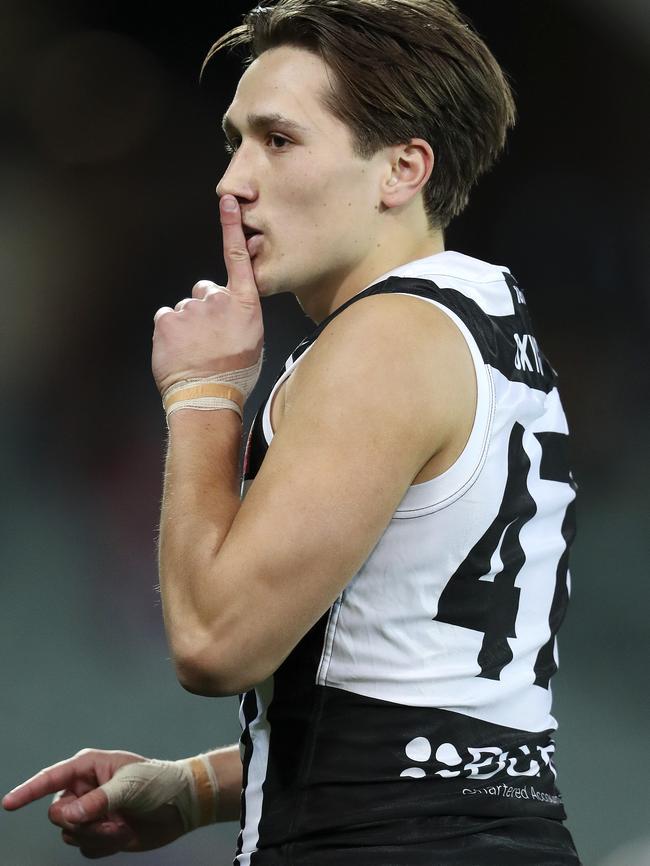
(318, 304)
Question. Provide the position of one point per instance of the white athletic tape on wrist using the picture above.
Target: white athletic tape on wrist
(223, 391)
(190, 784)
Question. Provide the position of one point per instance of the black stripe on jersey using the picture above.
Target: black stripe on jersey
(250, 713)
(515, 292)
(256, 446)
(554, 467)
(545, 666)
(292, 717)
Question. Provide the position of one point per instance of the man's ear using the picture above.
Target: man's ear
(409, 170)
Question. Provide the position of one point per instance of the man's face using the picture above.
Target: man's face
(297, 178)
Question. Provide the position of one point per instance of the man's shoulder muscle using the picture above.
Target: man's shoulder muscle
(397, 356)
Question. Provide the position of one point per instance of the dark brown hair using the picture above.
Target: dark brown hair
(402, 69)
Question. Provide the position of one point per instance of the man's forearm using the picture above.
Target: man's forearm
(200, 501)
(228, 769)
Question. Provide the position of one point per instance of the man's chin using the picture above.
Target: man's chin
(266, 285)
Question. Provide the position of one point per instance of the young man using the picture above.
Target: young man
(387, 595)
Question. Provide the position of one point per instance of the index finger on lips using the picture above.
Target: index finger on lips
(235, 252)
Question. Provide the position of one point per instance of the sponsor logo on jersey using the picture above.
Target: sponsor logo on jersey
(477, 762)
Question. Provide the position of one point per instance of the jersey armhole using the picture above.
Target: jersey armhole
(267, 427)
(437, 493)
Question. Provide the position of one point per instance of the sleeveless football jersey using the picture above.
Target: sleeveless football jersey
(425, 689)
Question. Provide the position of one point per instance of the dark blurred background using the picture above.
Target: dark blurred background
(110, 152)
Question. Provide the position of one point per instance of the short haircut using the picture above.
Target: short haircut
(403, 69)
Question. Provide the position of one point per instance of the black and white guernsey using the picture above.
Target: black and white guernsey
(425, 689)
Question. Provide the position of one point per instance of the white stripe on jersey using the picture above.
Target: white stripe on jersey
(260, 732)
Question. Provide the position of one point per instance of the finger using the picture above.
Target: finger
(241, 280)
(62, 796)
(69, 838)
(181, 304)
(205, 287)
(105, 837)
(54, 814)
(46, 781)
(162, 312)
(103, 846)
(90, 807)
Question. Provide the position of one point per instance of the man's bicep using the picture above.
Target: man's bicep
(351, 440)
(309, 521)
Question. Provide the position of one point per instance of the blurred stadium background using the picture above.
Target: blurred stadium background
(110, 152)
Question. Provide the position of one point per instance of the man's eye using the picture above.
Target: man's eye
(277, 141)
(231, 145)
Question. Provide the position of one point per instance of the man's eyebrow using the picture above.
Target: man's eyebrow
(261, 123)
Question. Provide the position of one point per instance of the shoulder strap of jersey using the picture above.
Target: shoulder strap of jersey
(506, 342)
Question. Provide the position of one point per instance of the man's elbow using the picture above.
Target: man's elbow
(197, 682)
(214, 676)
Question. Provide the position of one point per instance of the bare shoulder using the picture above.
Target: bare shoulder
(395, 354)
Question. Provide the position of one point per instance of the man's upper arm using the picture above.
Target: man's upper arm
(384, 388)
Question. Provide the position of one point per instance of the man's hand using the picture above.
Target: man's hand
(81, 810)
(218, 329)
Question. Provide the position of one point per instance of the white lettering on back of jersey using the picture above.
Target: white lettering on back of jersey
(522, 361)
(519, 295)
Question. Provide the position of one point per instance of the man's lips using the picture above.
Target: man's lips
(254, 242)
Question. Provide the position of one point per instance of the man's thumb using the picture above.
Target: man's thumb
(89, 807)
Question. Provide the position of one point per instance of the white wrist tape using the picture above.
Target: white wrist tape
(223, 391)
(190, 784)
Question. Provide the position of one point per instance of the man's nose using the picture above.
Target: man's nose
(237, 180)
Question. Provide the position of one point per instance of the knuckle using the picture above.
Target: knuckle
(163, 319)
(216, 297)
(215, 290)
(186, 302)
(238, 253)
(202, 286)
